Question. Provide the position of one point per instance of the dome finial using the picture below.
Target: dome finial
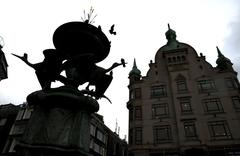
(168, 26)
(171, 36)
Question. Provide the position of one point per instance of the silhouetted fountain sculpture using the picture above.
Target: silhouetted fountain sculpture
(60, 123)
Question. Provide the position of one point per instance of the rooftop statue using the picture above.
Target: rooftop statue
(79, 46)
(60, 122)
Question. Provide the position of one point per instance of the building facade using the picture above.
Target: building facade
(8, 114)
(184, 105)
(103, 142)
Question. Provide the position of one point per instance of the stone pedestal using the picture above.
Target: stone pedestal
(59, 125)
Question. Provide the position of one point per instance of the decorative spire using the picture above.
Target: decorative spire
(134, 63)
(223, 62)
(219, 52)
(135, 70)
(221, 56)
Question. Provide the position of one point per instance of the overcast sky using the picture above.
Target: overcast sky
(27, 26)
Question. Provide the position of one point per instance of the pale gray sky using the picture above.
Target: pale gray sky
(28, 26)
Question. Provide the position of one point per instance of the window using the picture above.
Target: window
(10, 146)
(158, 91)
(11, 149)
(138, 135)
(20, 114)
(176, 59)
(236, 102)
(234, 153)
(92, 130)
(183, 58)
(185, 104)
(169, 60)
(219, 130)
(136, 93)
(3, 121)
(100, 136)
(24, 113)
(181, 86)
(159, 110)
(162, 134)
(102, 151)
(131, 95)
(99, 149)
(230, 83)
(18, 129)
(130, 114)
(130, 136)
(190, 130)
(91, 143)
(96, 147)
(212, 105)
(181, 83)
(164, 153)
(27, 113)
(138, 113)
(206, 85)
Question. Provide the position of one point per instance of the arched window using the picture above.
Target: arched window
(183, 58)
(178, 59)
(181, 83)
(174, 59)
(169, 59)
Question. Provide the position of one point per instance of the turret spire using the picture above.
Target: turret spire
(223, 63)
(219, 52)
(135, 70)
(134, 63)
